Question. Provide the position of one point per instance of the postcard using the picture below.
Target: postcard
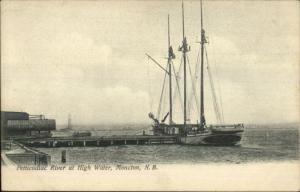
(132, 95)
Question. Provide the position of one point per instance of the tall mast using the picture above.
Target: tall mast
(184, 49)
(170, 57)
(203, 41)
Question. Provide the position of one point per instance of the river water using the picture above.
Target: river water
(260, 143)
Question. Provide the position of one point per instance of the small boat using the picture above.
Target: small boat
(198, 133)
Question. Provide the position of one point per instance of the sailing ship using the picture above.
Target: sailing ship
(199, 133)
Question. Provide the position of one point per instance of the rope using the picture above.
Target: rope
(149, 87)
(193, 79)
(215, 103)
(218, 85)
(177, 85)
(176, 78)
(163, 103)
(161, 97)
(219, 90)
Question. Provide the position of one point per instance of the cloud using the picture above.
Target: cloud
(86, 104)
(92, 63)
(72, 73)
(79, 50)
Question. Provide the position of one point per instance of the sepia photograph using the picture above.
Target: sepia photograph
(189, 95)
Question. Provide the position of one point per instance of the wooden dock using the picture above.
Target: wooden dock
(30, 156)
(97, 141)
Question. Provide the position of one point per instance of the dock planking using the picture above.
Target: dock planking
(98, 141)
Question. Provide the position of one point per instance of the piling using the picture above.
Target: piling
(64, 156)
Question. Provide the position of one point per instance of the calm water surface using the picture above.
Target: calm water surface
(258, 144)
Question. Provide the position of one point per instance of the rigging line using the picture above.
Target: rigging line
(196, 78)
(197, 62)
(176, 78)
(193, 85)
(213, 95)
(159, 65)
(190, 95)
(164, 99)
(180, 66)
(149, 87)
(161, 95)
(178, 88)
(174, 91)
(220, 100)
(163, 106)
(215, 103)
(214, 98)
(219, 89)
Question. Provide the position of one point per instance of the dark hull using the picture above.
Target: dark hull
(213, 139)
(214, 135)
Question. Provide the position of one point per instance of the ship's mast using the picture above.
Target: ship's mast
(184, 49)
(203, 41)
(170, 57)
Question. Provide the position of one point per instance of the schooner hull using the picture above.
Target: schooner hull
(212, 139)
(219, 135)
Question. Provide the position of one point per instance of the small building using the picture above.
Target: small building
(21, 124)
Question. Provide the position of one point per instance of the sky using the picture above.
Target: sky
(87, 58)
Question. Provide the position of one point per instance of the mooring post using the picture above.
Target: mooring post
(97, 143)
(111, 142)
(125, 142)
(64, 156)
(84, 143)
(137, 142)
